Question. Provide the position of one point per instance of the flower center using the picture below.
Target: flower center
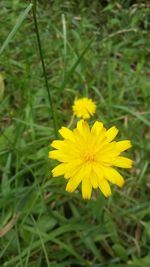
(88, 157)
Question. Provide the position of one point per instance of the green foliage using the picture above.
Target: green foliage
(94, 48)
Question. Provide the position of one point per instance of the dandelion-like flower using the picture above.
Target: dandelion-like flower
(84, 108)
(88, 156)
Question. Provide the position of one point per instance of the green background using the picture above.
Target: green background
(99, 49)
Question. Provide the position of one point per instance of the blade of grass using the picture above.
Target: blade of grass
(53, 237)
(70, 72)
(5, 186)
(110, 93)
(18, 246)
(29, 251)
(64, 40)
(134, 113)
(16, 27)
(42, 243)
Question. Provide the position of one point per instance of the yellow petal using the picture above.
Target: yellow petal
(86, 188)
(85, 170)
(80, 127)
(123, 162)
(80, 134)
(97, 136)
(98, 170)
(73, 168)
(83, 128)
(80, 140)
(57, 144)
(52, 154)
(68, 148)
(104, 187)
(73, 183)
(94, 179)
(111, 133)
(97, 128)
(66, 133)
(113, 176)
(108, 148)
(123, 145)
(59, 170)
(56, 154)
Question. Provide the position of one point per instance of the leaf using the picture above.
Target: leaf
(6, 137)
(46, 223)
(120, 251)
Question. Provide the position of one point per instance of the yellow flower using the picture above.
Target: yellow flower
(88, 156)
(84, 108)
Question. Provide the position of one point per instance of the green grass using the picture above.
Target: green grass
(89, 48)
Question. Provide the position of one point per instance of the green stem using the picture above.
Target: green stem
(44, 68)
(71, 121)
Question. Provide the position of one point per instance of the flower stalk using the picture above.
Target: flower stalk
(44, 68)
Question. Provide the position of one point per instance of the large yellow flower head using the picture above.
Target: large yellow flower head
(88, 156)
(84, 108)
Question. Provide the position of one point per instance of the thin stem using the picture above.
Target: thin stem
(44, 68)
(71, 121)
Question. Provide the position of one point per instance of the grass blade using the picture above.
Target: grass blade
(15, 28)
(133, 113)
